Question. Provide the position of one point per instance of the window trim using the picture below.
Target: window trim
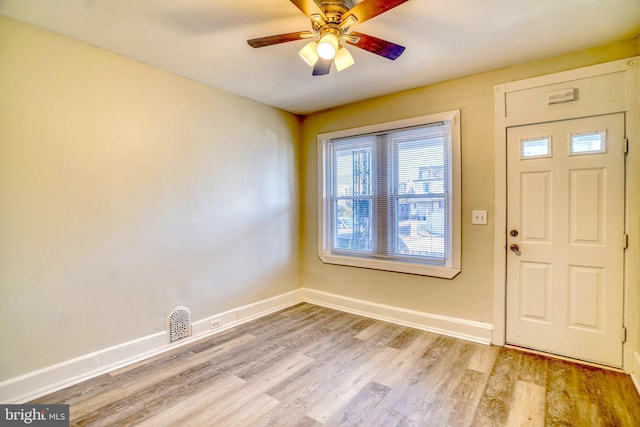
(452, 266)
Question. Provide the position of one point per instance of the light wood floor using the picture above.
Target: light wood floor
(312, 366)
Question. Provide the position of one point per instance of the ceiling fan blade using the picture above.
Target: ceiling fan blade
(367, 9)
(375, 45)
(322, 67)
(280, 38)
(309, 7)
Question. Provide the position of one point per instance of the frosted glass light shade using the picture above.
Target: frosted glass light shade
(343, 59)
(327, 46)
(310, 53)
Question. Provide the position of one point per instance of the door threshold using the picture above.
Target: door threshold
(564, 358)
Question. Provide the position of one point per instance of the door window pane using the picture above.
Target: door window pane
(536, 147)
(588, 143)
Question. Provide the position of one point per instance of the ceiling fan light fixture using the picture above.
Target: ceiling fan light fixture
(331, 22)
(328, 46)
(317, 19)
(343, 59)
(348, 21)
(310, 53)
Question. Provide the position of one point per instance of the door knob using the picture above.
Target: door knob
(514, 233)
(515, 248)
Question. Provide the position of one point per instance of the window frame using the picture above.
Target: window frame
(452, 266)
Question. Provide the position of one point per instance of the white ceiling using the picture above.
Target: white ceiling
(205, 40)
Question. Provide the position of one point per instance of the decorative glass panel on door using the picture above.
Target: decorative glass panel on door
(535, 147)
(588, 143)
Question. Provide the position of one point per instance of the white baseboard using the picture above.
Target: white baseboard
(52, 378)
(451, 326)
(635, 370)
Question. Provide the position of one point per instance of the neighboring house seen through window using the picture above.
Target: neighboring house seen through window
(390, 196)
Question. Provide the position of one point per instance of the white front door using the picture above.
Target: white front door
(565, 220)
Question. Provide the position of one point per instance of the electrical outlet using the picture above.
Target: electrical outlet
(215, 323)
(479, 217)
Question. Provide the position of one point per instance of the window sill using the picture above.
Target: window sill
(399, 267)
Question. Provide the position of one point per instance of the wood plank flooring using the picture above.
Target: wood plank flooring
(312, 366)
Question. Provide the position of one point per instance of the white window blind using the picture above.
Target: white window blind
(388, 195)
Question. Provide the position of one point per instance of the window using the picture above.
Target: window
(588, 143)
(390, 196)
(535, 147)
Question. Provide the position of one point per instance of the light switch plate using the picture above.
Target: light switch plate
(479, 217)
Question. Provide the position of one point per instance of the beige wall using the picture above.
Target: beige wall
(125, 191)
(469, 295)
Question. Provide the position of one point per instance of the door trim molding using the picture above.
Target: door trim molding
(635, 374)
(629, 105)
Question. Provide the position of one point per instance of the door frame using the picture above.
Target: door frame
(505, 116)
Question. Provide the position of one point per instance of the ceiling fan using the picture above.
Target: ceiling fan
(331, 21)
